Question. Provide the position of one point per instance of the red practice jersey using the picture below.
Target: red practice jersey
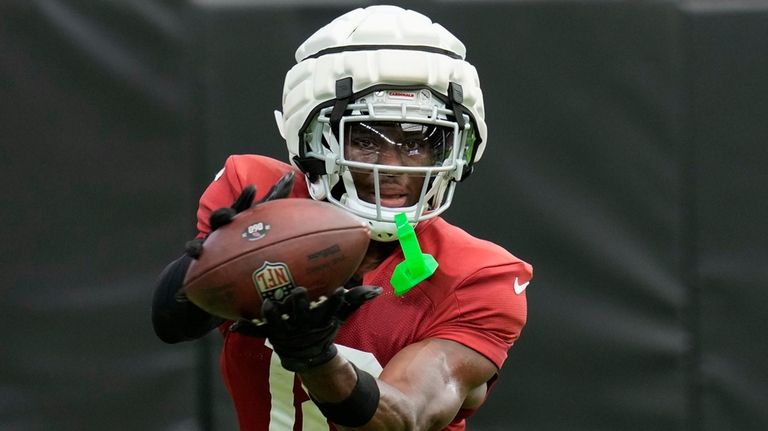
(476, 298)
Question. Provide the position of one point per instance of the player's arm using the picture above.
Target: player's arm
(421, 388)
(174, 317)
(425, 385)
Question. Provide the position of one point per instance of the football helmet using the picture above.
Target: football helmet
(381, 93)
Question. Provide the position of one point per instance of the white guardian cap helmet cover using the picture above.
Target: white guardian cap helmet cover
(390, 65)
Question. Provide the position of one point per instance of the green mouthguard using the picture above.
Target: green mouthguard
(417, 266)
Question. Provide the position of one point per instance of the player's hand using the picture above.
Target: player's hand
(223, 216)
(302, 332)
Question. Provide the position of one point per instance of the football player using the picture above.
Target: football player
(382, 115)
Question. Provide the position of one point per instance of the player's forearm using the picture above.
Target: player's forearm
(174, 318)
(334, 382)
(331, 382)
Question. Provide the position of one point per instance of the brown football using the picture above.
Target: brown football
(268, 250)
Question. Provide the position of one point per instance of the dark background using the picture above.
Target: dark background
(626, 160)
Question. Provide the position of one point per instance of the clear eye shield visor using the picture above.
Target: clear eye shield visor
(392, 144)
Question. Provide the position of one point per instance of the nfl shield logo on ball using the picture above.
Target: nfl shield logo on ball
(255, 231)
(273, 281)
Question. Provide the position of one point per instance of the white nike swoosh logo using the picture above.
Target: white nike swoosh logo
(519, 288)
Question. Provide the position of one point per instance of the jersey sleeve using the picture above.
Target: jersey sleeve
(485, 313)
(238, 172)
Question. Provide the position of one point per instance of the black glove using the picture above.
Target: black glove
(302, 332)
(223, 216)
